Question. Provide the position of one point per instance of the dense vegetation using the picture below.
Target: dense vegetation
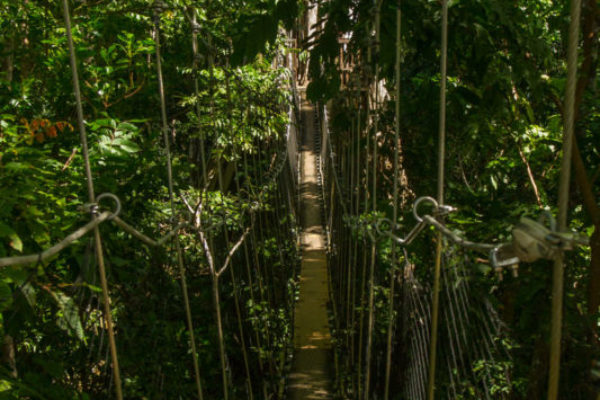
(506, 82)
(228, 106)
(224, 136)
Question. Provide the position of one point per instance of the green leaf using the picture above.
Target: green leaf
(15, 242)
(6, 298)
(17, 166)
(5, 230)
(29, 293)
(69, 317)
(14, 274)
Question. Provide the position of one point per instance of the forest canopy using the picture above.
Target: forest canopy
(190, 110)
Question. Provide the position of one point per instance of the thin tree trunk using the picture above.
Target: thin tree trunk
(8, 355)
(222, 355)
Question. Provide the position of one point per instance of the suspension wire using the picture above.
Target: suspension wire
(440, 197)
(247, 259)
(357, 213)
(563, 200)
(364, 252)
(421, 320)
(197, 94)
(236, 291)
(390, 328)
(215, 275)
(371, 321)
(92, 198)
(182, 273)
(251, 284)
(352, 251)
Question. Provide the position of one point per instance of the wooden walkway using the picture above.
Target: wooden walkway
(311, 375)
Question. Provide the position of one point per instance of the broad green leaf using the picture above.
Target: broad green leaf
(15, 242)
(68, 315)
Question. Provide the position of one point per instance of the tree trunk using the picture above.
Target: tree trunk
(8, 355)
(594, 279)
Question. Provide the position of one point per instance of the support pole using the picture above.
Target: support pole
(563, 201)
(440, 198)
(92, 197)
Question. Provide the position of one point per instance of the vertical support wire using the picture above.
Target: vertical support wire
(440, 199)
(182, 276)
(197, 94)
(563, 200)
(92, 197)
(371, 282)
(390, 328)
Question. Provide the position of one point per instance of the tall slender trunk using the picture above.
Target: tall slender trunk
(221, 339)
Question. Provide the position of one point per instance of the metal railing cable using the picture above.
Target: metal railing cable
(57, 248)
(179, 252)
(92, 198)
(396, 177)
(102, 216)
(236, 289)
(440, 198)
(384, 227)
(391, 297)
(375, 126)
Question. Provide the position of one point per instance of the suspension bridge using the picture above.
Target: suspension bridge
(443, 335)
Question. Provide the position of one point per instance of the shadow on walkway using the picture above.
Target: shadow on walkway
(312, 366)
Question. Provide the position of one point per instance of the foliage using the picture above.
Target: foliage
(504, 135)
(52, 311)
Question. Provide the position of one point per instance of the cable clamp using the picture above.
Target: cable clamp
(501, 257)
(438, 210)
(94, 208)
(533, 240)
(91, 208)
(445, 210)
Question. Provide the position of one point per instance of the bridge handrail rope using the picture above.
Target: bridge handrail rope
(113, 216)
(528, 235)
(90, 186)
(57, 248)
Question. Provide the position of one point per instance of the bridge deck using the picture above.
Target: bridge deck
(311, 371)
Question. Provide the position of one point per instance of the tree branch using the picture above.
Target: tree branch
(233, 250)
(531, 177)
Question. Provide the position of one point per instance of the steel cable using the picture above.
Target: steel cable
(182, 273)
(92, 198)
(440, 198)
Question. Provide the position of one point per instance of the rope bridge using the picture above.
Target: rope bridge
(442, 329)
